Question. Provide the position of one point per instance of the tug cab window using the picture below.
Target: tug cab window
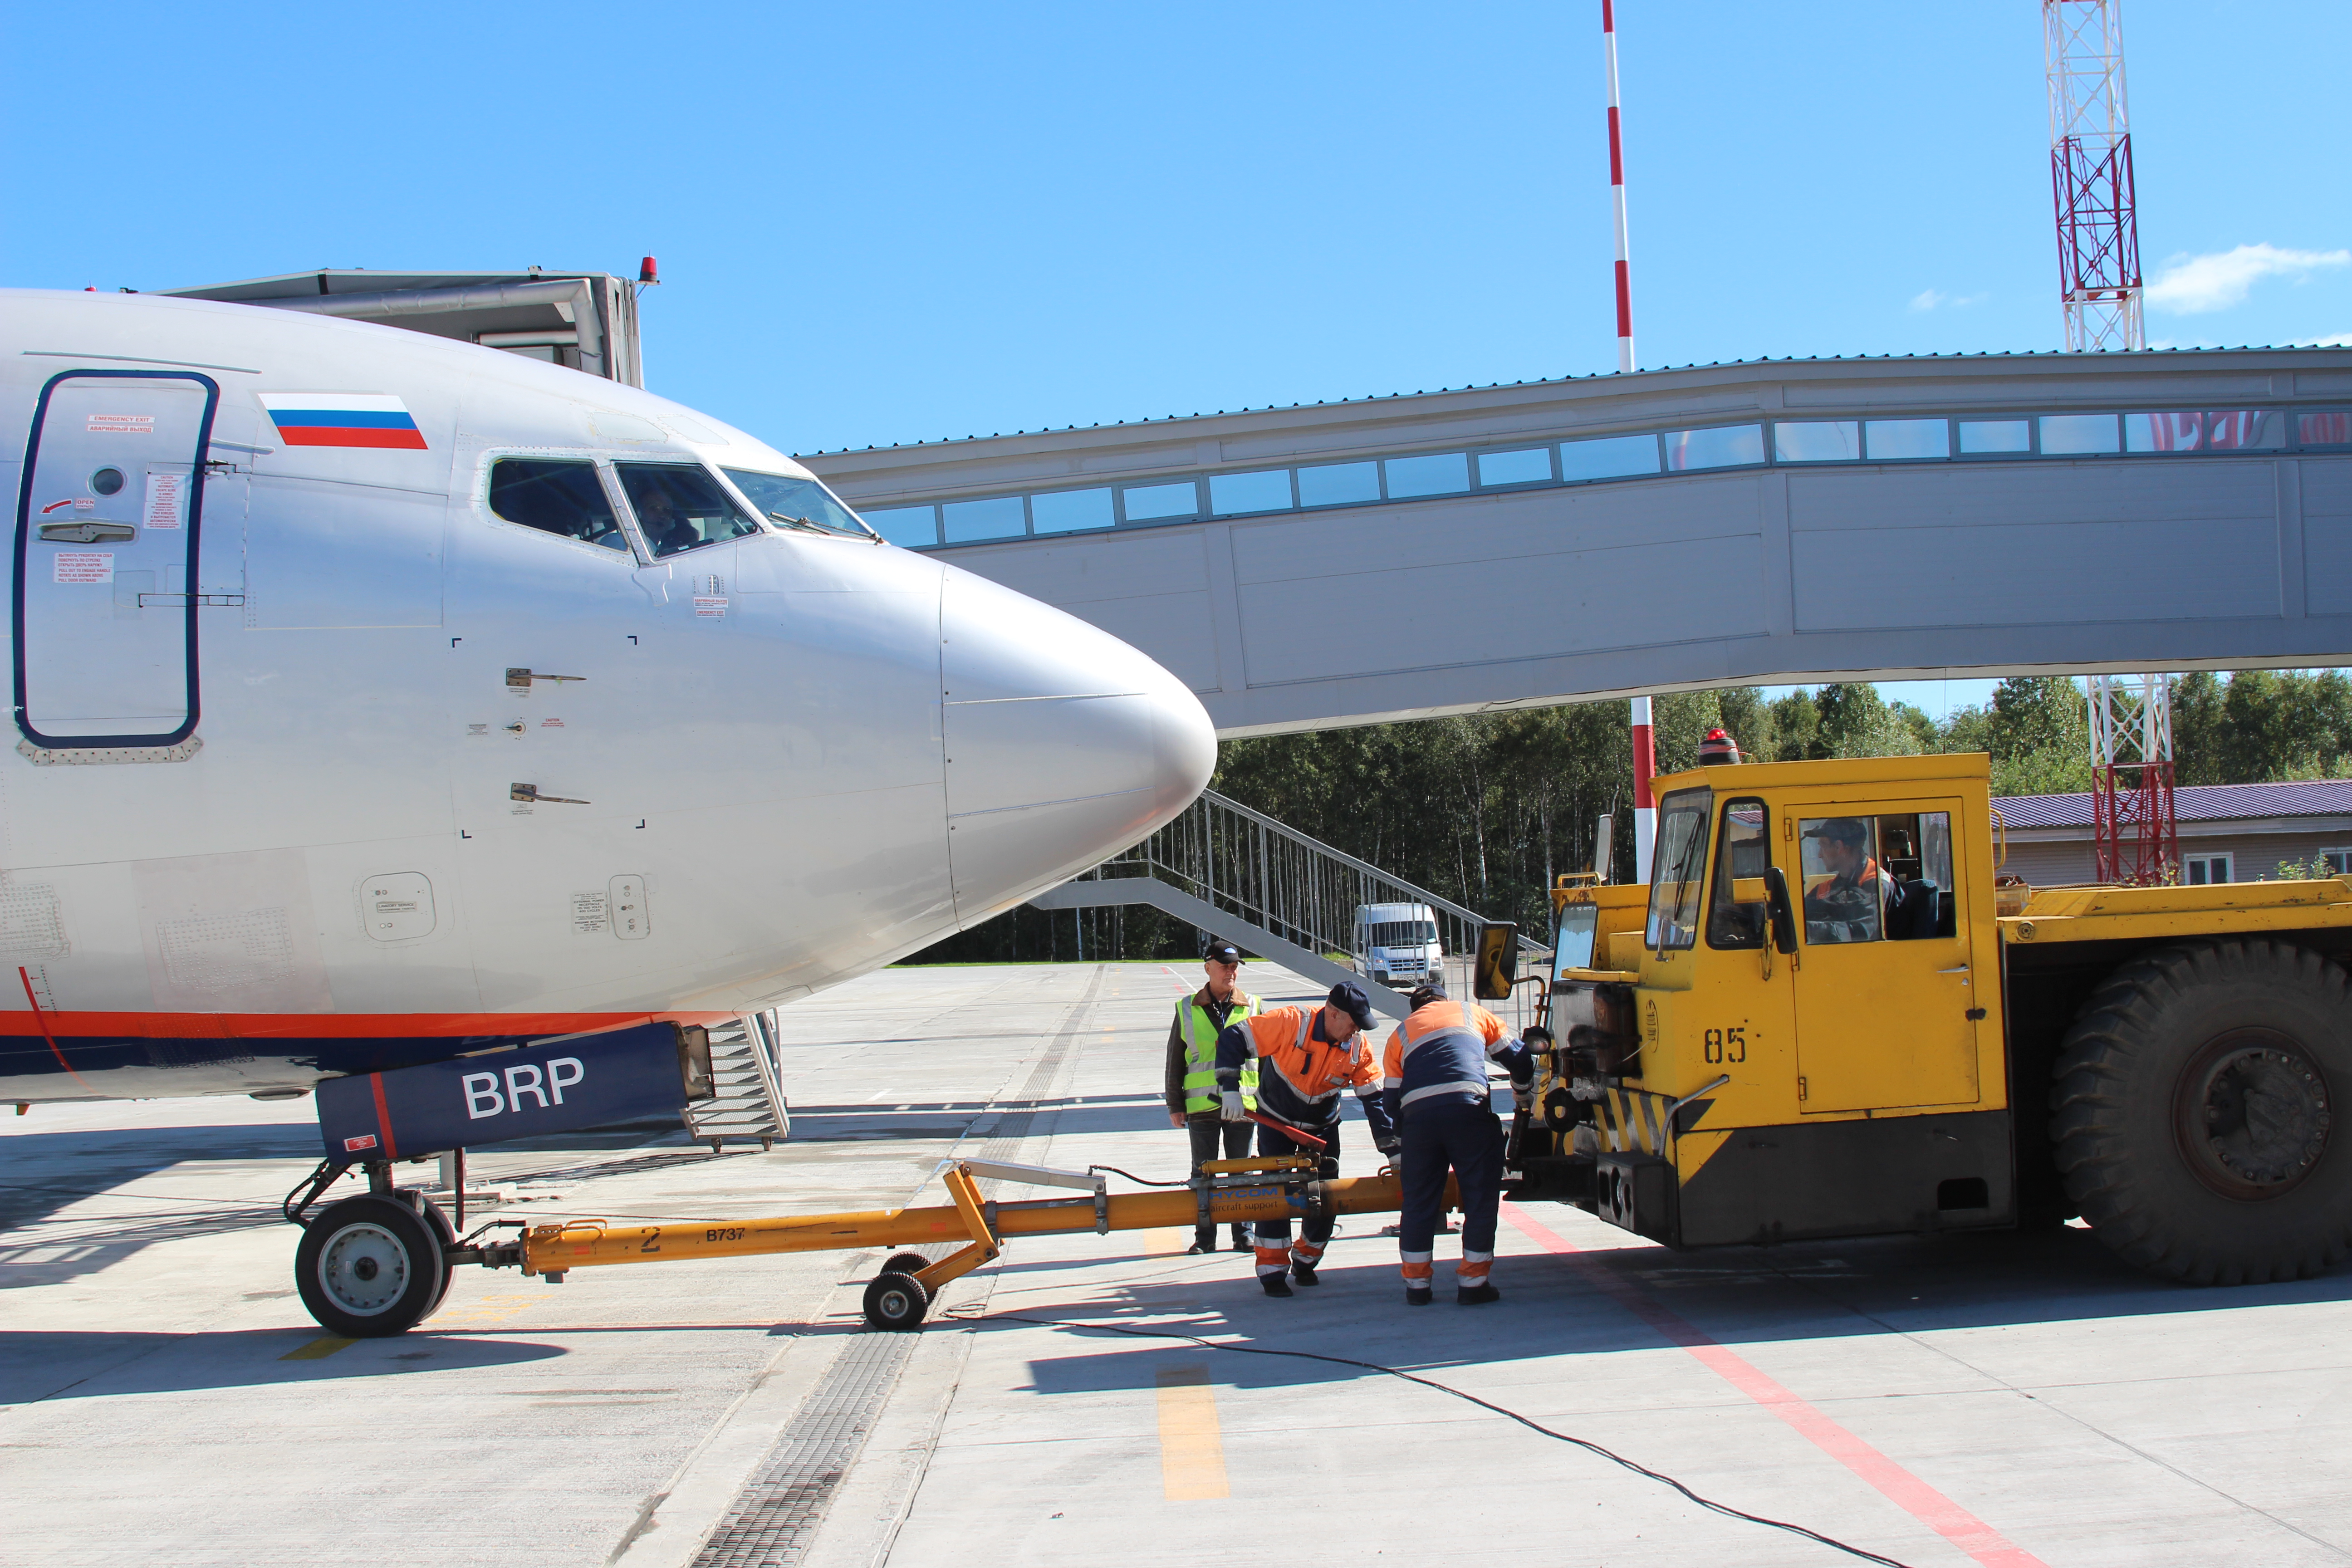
(1884, 878)
(797, 504)
(1680, 869)
(1736, 916)
(680, 507)
(566, 499)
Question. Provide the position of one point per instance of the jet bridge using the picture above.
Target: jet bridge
(1774, 521)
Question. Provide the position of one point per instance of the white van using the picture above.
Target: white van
(1398, 942)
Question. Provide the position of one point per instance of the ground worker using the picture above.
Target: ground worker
(1434, 1078)
(1191, 1077)
(1305, 1057)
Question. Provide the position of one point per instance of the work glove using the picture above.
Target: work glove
(1232, 1111)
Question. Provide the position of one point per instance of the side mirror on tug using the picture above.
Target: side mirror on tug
(1783, 914)
(1498, 961)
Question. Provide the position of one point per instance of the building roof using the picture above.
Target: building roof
(2192, 803)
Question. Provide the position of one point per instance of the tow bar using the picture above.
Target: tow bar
(1227, 1192)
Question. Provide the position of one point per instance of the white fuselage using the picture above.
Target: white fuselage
(775, 760)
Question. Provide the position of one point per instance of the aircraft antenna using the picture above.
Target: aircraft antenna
(2090, 174)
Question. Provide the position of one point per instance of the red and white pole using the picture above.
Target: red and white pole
(1645, 805)
(1617, 195)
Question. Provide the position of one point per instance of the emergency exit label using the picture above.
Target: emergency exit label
(84, 566)
(123, 424)
(163, 500)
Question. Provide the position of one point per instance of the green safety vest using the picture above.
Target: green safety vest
(1201, 1034)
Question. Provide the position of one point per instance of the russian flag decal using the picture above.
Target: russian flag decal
(343, 419)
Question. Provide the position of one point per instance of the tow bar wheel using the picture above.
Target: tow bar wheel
(896, 1302)
(369, 1268)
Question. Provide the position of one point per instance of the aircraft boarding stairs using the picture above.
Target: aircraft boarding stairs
(1242, 876)
(748, 1105)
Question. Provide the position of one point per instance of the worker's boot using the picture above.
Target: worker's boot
(1242, 1240)
(1417, 1298)
(1275, 1284)
(1203, 1241)
(1304, 1272)
(1475, 1295)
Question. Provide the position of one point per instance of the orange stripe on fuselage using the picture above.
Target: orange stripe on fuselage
(345, 1026)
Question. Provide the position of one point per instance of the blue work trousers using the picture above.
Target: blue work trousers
(1462, 1136)
(1275, 1253)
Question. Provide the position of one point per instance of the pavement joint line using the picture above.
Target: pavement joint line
(1914, 1496)
(775, 1518)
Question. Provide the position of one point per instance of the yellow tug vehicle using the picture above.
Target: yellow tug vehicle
(1829, 1015)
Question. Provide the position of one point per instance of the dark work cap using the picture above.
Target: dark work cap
(1349, 998)
(1843, 830)
(1224, 952)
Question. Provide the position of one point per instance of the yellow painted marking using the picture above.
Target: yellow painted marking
(1192, 1449)
(324, 1345)
(1166, 1243)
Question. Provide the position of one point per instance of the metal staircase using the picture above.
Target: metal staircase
(1241, 875)
(748, 1105)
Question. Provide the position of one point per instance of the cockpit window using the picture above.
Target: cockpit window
(680, 507)
(806, 503)
(566, 499)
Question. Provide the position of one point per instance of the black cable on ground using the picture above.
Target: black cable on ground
(1138, 1181)
(1585, 1443)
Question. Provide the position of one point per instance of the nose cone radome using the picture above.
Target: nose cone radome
(1064, 744)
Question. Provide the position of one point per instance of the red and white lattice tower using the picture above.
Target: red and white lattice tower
(2091, 174)
(2131, 778)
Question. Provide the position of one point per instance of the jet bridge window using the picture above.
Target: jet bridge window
(566, 499)
(680, 507)
(797, 504)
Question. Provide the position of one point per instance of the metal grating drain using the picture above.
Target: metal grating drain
(773, 1520)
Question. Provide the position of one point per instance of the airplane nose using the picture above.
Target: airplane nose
(1064, 744)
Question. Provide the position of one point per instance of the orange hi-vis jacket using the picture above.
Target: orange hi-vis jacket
(1442, 1050)
(1299, 1074)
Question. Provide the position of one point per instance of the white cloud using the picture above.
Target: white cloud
(2340, 340)
(1935, 299)
(2193, 284)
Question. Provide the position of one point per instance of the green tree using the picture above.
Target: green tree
(1796, 722)
(1856, 722)
(1747, 720)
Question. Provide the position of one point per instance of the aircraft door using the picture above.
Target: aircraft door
(107, 523)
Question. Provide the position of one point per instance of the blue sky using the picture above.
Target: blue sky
(897, 223)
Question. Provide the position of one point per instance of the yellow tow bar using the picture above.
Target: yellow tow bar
(1228, 1192)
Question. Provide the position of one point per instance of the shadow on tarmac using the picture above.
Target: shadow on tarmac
(39, 1364)
(1577, 1302)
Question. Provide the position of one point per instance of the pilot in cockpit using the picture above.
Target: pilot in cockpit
(668, 529)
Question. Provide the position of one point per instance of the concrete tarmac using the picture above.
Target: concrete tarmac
(2002, 1400)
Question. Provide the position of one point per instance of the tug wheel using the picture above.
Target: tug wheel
(369, 1268)
(896, 1302)
(906, 1263)
(2194, 1107)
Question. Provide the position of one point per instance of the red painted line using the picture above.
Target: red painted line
(265, 1026)
(1899, 1486)
(382, 1116)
